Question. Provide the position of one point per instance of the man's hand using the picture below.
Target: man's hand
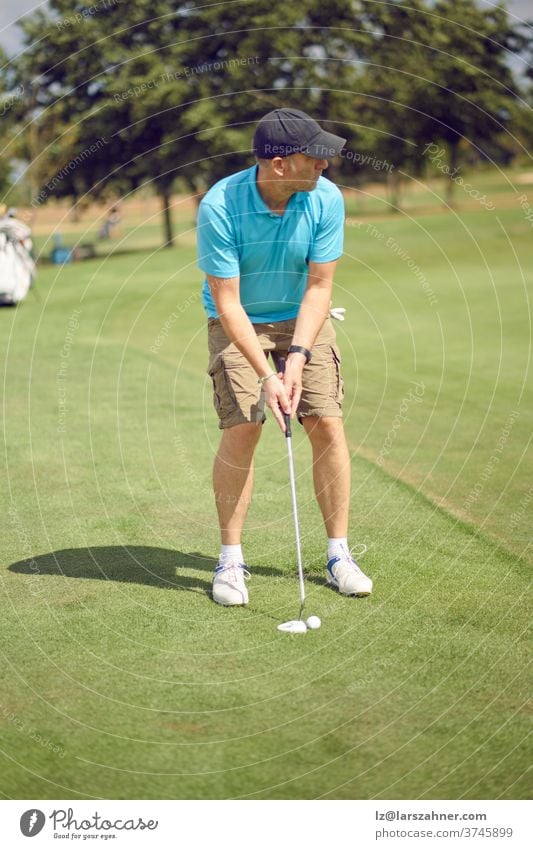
(292, 379)
(276, 398)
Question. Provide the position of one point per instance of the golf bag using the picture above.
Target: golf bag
(17, 268)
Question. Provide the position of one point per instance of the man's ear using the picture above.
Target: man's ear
(278, 165)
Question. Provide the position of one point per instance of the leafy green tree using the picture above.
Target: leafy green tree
(396, 67)
(473, 87)
(174, 90)
(91, 141)
(436, 74)
(10, 93)
(148, 92)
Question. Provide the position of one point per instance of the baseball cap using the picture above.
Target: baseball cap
(283, 132)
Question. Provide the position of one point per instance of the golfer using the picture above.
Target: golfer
(269, 239)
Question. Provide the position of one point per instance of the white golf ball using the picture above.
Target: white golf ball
(313, 622)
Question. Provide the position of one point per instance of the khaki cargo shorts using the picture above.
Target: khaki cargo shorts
(237, 396)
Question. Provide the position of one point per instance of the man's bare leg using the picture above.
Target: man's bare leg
(233, 476)
(332, 479)
(331, 471)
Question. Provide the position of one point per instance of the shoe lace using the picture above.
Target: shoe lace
(232, 570)
(356, 551)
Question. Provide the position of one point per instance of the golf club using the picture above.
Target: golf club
(294, 626)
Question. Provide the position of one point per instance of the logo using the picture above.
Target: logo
(32, 822)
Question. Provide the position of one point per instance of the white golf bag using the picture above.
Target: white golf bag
(17, 268)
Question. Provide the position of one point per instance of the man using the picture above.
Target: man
(269, 239)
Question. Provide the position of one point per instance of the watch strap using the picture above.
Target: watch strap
(297, 349)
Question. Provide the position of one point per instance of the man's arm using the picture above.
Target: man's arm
(239, 329)
(312, 314)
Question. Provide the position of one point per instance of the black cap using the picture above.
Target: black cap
(286, 131)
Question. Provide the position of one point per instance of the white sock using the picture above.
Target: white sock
(336, 545)
(230, 554)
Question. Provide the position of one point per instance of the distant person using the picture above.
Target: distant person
(113, 220)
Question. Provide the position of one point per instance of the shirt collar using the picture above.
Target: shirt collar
(295, 200)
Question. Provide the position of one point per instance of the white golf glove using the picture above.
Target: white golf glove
(337, 313)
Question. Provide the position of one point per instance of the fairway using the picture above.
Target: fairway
(122, 679)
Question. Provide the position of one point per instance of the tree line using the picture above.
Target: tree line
(108, 98)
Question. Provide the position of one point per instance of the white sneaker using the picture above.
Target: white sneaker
(344, 574)
(228, 584)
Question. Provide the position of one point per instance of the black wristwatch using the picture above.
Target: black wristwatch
(297, 349)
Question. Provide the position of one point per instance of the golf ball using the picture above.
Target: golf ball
(313, 622)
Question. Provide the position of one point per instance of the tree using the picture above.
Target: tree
(473, 87)
(142, 93)
(174, 90)
(10, 93)
(396, 62)
(436, 74)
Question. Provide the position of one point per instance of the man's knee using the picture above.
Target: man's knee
(242, 438)
(325, 429)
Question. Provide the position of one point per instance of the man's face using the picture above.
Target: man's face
(301, 172)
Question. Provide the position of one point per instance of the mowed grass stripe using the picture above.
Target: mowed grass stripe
(121, 659)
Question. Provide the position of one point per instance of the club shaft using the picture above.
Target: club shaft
(279, 362)
(296, 523)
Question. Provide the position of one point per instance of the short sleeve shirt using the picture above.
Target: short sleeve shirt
(239, 236)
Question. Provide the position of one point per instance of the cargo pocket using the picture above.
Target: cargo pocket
(224, 400)
(339, 382)
(224, 372)
(214, 373)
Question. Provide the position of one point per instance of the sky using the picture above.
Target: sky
(11, 10)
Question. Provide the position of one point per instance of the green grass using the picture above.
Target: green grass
(122, 679)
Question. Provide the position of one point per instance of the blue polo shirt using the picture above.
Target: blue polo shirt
(239, 236)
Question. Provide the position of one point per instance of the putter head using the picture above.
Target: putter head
(294, 626)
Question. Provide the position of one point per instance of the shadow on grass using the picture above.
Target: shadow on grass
(133, 564)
